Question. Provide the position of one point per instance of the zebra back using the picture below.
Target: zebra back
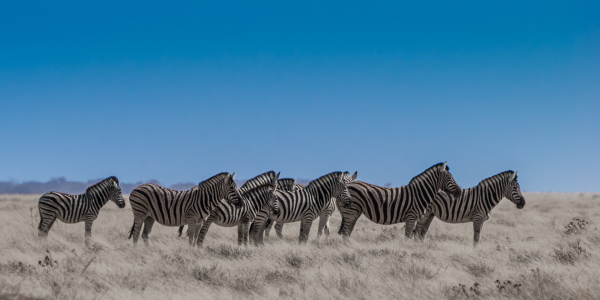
(264, 178)
(288, 184)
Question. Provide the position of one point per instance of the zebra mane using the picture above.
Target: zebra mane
(324, 178)
(101, 182)
(287, 184)
(416, 178)
(258, 180)
(213, 180)
(254, 188)
(490, 180)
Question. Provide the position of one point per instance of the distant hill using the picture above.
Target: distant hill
(63, 185)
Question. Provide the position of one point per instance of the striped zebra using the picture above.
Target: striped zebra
(151, 202)
(306, 205)
(286, 184)
(256, 199)
(323, 218)
(395, 205)
(258, 194)
(474, 204)
(78, 208)
(219, 214)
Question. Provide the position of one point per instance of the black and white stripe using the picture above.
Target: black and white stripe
(218, 215)
(307, 204)
(323, 218)
(474, 204)
(78, 208)
(256, 198)
(395, 205)
(151, 202)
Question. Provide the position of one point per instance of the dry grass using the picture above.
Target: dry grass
(540, 252)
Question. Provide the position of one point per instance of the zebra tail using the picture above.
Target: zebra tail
(40, 225)
(131, 231)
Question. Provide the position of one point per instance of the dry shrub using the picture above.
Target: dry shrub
(352, 260)
(413, 272)
(388, 234)
(230, 252)
(479, 269)
(571, 253)
(281, 277)
(213, 275)
(294, 260)
(460, 291)
(525, 257)
(17, 267)
(508, 287)
(577, 225)
(505, 222)
(330, 242)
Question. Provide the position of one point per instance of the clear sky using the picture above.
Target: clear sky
(181, 91)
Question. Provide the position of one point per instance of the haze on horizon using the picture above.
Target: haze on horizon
(181, 92)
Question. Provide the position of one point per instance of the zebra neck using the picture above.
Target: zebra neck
(320, 192)
(98, 194)
(493, 194)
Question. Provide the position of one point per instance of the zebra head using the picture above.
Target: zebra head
(512, 191)
(234, 196)
(273, 203)
(116, 194)
(447, 183)
(339, 189)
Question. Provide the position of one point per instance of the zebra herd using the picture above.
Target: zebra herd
(266, 199)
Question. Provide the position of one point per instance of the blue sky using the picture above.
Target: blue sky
(181, 91)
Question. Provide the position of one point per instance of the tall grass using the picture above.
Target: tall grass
(548, 250)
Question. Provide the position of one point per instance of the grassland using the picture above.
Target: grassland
(524, 254)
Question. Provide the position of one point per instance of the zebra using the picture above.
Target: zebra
(285, 184)
(256, 199)
(224, 208)
(395, 205)
(78, 208)
(323, 218)
(474, 204)
(306, 204)
(150, 202)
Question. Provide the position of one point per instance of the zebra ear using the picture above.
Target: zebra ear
(513, 176)
(233, 176)
(274, 181)
(354, 176)
(444, 167)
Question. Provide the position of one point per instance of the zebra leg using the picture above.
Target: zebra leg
(136, 229)
(191, 231)
(45, 225)
(196, 232)
(305, 229)
(245, 226)
(268, 226)
(409, 227)
(323, 224)
(279, 229)
(181, 230)
(204, 230)
(240, 234)
(88, 231)
(147, 229)
(349, 218)
(425, 226)
(477, 225)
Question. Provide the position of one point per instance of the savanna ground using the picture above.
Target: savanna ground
(539, 252)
